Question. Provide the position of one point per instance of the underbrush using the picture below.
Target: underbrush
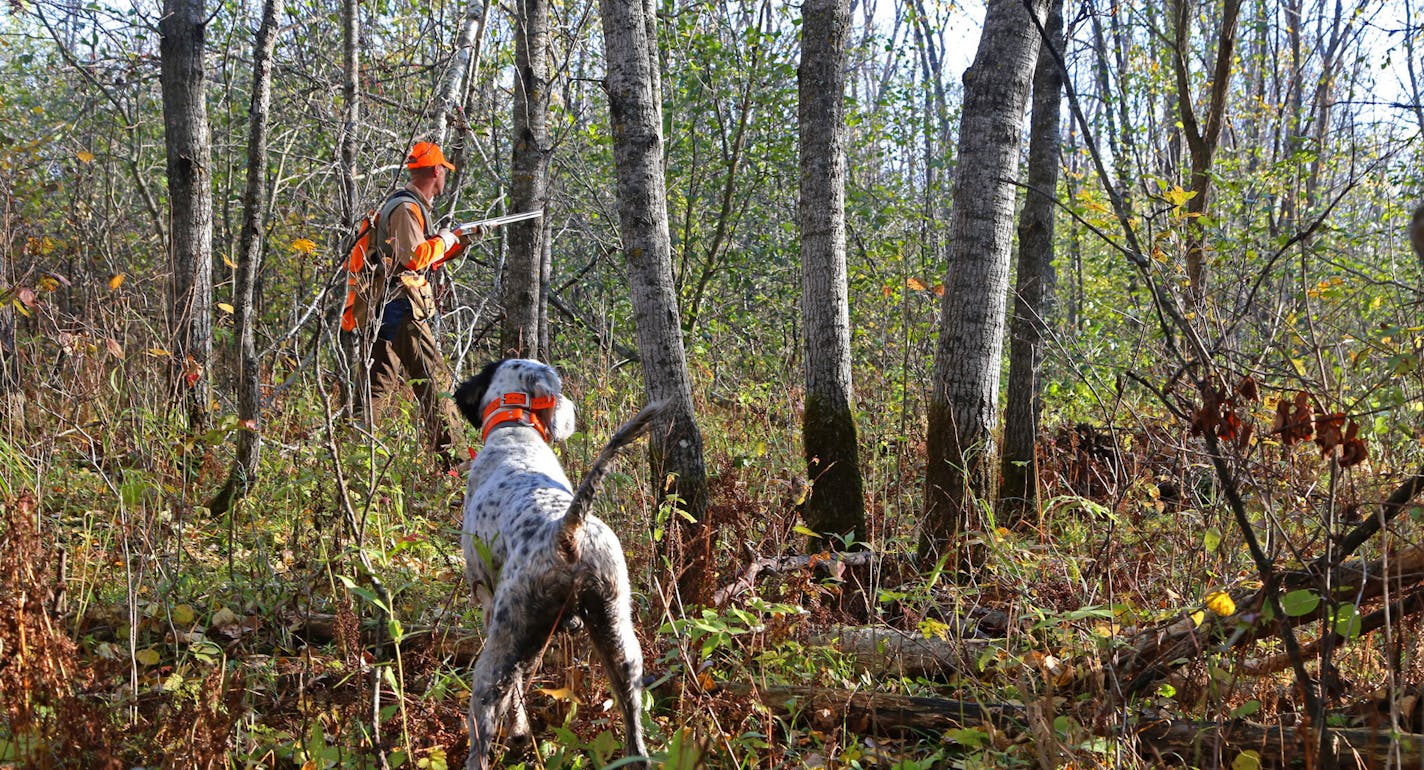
(317, 626)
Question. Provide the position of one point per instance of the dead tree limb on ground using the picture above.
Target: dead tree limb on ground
(1152, 654)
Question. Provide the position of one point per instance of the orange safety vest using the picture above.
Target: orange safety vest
(368, 264)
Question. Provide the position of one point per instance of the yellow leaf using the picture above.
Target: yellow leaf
(158, 352)
(47, 283)
(1177, 196)
(915, 284)
(1221, 603)
(939, 290)
(183, 614)
(1247, 760)
(147, 656)
(85, 156)
(116, 281)
(1198, 617)
(706, 681)
(563, 693)
(226, 308)
(302, 245)
(228, 261)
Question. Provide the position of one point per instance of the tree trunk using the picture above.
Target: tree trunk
(836, 506)
(452, 90)
(351, 359)
(635, 109)
(1202, 137)
(190, 200)
(1035, 290)
(963, 402)
(254, 203)
(9, 363)
(521, 287)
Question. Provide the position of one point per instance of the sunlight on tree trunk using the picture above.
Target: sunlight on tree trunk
(635, 108)
(1034, 295)
(521, 287)
(836, 506)
(964, 402)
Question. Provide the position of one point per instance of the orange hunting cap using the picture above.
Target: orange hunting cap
(425, 155)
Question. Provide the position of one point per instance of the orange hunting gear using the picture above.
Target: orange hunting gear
(371, 274)
(425, 155)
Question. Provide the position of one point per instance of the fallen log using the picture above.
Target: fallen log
(875, 713)
(1411, 604)
(1196, 743)
(894, 652)
(1152, 654)
(459, 645)
(747, 581)
(1202, 744)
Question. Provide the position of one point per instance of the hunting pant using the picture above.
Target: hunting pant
(412, 348)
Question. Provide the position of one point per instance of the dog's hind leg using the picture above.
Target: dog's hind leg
(611, 629)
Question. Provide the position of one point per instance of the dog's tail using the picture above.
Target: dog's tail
(583, 496)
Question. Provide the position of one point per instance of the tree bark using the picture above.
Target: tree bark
(1036, 285)
(836, 506)
(963, 402)
(1202, 137)
(675, 454)
(190, 200)
(254, 204)
(521, 288)
(352, 349)
(462, 63)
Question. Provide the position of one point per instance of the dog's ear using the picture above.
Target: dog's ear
(470, 395)
(562, 424)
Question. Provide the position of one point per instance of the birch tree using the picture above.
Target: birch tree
(837, 502)
(190, 199)
(963, 405)
(635, 110)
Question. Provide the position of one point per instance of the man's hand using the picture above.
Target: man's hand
(468, 234)
(449, 238)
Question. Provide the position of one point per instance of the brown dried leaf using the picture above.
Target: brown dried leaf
(1328, 431)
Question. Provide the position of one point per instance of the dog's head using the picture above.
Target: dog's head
(517, 375)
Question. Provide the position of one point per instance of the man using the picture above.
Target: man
(405, 243)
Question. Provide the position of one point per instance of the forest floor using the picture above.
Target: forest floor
(136, 630)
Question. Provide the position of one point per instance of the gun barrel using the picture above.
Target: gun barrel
(484, 224)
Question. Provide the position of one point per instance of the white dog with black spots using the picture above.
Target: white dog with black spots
(536, 560)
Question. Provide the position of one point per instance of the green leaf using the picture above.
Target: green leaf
(1347, 621)
(1246, 709)
(1302, 601)
(1211, 539)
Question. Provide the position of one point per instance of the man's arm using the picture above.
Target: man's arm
(411, 249)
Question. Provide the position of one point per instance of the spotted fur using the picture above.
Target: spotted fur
(537, 561)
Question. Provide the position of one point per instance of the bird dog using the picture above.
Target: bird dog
(534, 557)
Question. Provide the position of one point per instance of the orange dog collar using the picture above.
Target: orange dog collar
(520, 408)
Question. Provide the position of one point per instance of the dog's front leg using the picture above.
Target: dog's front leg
(497, 673)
